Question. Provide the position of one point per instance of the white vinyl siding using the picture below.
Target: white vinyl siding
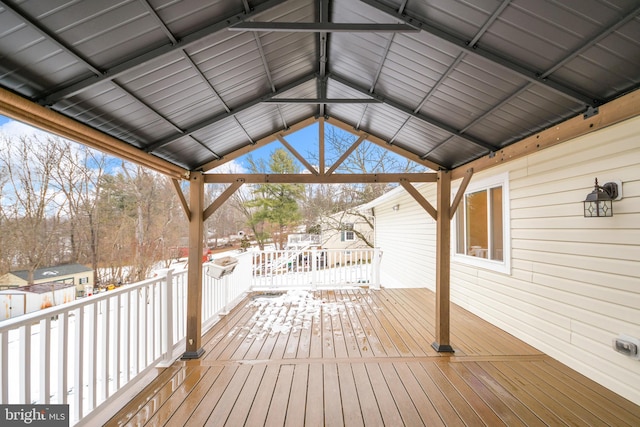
(406, 237)
(574, 282)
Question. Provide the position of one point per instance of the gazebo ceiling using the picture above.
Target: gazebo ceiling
(192, 82)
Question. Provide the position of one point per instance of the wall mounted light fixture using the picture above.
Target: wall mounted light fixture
(600, 201)
(396, 207)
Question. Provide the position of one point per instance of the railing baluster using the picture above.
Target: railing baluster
(79, 366)
(117, 346)
(45, 360)
(126, 339)
(106, 339)
(4, 368)
(92, 356)
(25, 361)
(63, 354)
(135, 332)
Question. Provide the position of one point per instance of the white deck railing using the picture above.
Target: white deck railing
(90, 351)
(313, 268)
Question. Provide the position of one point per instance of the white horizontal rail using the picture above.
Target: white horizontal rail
(84, 352)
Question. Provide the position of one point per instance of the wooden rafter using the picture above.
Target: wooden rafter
(419, 198)
(228, 192)
(346, 154)
(384, 144)
(460, 193)
(297, 155)
(183, 201)
(259, 143)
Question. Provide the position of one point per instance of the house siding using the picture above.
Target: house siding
(574, 282)
(407, 240)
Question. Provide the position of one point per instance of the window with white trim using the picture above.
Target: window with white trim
(481, 227)
(347, 234)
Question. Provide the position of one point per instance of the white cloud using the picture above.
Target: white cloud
(230, 167)
(14, 128)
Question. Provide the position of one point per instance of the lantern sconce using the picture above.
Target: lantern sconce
(396, 207)
(599, 203)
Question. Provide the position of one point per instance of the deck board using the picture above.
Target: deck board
(358, 357)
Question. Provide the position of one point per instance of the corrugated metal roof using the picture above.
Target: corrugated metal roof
(195, 80)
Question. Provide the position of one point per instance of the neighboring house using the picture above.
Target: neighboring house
(75, 274)
(525, 258)
(27, 299)
(343, 231)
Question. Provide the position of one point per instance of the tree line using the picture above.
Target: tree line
(62, 202)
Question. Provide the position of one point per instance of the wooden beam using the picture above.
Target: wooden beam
(183, 201)
(460, 193)
(21, 109)
(419, 198)
(384, 144)
(346, 154)
(613, 112)
(443, 264)
(297, 155)
(284, 178)
(259, 143)
(321, 145)
(194, 275)
(228, 192)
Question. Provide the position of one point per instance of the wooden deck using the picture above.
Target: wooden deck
(363, 357)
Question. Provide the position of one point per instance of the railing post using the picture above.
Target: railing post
(167, 324)
(377, 254)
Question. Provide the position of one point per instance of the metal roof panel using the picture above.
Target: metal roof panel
(173, 78)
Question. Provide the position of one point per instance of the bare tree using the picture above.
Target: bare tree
(152, 213)
(79, 176)
(31, 208)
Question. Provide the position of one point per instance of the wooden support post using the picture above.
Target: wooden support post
(443, 263)
(321, 145)
(194, 285)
